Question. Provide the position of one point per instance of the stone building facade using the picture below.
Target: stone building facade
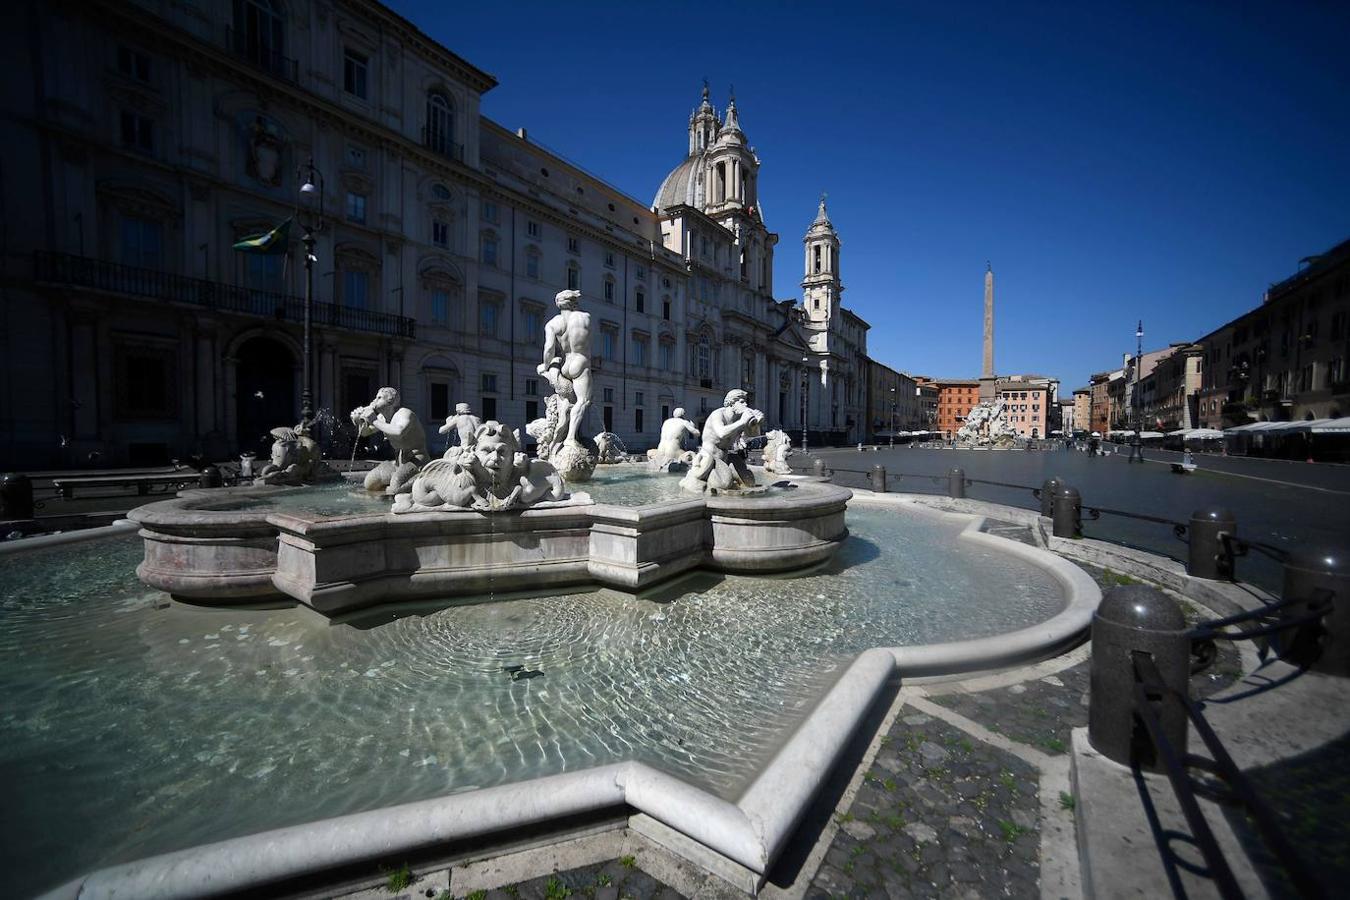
(150, 137)
(956, 397)
(1287, 359)
(893, 402)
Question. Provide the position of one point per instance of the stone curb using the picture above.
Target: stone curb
(120, 526)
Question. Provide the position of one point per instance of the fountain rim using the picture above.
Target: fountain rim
(747, 835)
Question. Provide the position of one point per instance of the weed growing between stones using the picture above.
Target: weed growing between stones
(399, 879)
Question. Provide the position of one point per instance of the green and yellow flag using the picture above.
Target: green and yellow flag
(273, 241)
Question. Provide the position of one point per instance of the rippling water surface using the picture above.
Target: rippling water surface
(134, 725)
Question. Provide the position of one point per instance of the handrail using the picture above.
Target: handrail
(98, 274)
(1150, 692)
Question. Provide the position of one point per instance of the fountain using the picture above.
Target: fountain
(544, 656)
(670, 455)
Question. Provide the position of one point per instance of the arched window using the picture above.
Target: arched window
(440, 128)
(258, 34)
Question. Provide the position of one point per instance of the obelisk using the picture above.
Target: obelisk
(987, 380)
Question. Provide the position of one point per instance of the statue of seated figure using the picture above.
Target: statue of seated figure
(405, 433)
(720, 464)
(492, 476)
(670, 450)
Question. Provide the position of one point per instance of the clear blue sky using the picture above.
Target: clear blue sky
(1114, 162)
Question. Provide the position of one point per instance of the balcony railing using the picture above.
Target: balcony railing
(254, 50)
(100, 275)
(441, 145)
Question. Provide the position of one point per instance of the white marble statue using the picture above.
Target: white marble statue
(986, 423)
(777, 448)
(463, 423)
(720, 464)
(405, 433)
(567, 367)
(295, 458)
(607, 448)
(670, 450)
(492, 475)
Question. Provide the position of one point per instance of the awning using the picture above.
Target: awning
(1330, 426)
(1150, 435)
(1254, 426)
(1202, 434)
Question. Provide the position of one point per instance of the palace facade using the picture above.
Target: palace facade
(147, 138)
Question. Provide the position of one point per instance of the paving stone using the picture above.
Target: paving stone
(916, 719)
(932, 751)
(859, 830)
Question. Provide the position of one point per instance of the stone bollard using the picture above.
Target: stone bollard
(1309, 577)
(1066, 512)
(1048, 489)
(818, 467)
(210, 478)
(16, 496)
(1136, 618)
(879, 479)
(956, 484)
(1209, 555)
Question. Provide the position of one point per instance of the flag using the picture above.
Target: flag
(273, 241)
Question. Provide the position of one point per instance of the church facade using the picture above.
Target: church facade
(149, 139)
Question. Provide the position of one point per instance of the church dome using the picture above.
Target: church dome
(682, 184)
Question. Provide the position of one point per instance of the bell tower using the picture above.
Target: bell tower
(821, 287)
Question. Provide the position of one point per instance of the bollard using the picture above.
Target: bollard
(1209, 555)
(210, 478)
(16, 496)
(1048, 489)
(1067, 513)
(1312, 577)
(879, 479)
(1136, 618)
(956, 484)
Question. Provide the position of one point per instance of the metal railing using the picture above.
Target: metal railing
(100, 275)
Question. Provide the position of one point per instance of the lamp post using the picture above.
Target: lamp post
(311, 186)
(806, 389)
(1137, 447)
(892, 418)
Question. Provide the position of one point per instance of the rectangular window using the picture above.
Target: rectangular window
(531, 388)
(440, 401)
(354, 73)
(609, 258)
(532, 265)
(607, 395)
(665, 310)
(142, 242)
(607, 344)
(641, 272)
(263, 271)
(609, 292)
(440, 307)
(637, 420)
(488, 381)
(608, 416)
(639, 397)
(356, 289)
(490, 251)
(639, 351)
(533, 321)
(531, 411)
(138, 132)
(356, 207)
(489, 211)
(487, 318)
(665, 411)
(573, 278)
(146, 382)
(532, 229)
(667, 359)
(640, 299)
(133, 64)
(440, 233)
(489, 407)
(572, 245)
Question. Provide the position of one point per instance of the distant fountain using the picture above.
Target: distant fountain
(986, 426)
(610, 448)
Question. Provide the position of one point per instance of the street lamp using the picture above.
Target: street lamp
(1137, 447)
(806, 389)
(892, 418)
(311, 188)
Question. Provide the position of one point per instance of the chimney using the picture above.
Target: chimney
(520, 133)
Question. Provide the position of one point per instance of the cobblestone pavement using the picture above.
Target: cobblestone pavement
(619, 878)
(938, 814)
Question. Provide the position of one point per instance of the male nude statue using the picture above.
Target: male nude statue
(673, 430)
(567, 362)
(721, 459)
(463, 423)
(405, 433)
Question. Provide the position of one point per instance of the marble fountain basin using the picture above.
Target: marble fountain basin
(241, 545)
